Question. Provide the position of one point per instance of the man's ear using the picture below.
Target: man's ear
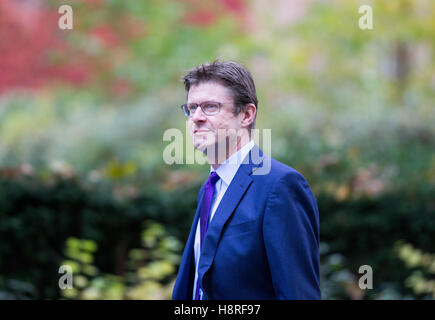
(249, 113)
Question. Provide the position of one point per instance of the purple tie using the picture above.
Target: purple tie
(205, 213)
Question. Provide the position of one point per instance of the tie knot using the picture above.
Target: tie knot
(213, 178)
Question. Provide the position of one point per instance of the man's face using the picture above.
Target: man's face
(207, 131)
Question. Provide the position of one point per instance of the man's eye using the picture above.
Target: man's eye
(193, 108)
(211, 107)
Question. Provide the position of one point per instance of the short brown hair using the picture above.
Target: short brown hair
(230, 74)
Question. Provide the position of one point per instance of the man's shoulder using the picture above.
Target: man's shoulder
(279, 175)
(277, 170)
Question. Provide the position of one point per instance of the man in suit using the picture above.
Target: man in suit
(254, 236)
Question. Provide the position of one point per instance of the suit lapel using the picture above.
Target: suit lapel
(235, 192)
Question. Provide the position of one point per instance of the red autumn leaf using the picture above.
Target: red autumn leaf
(106, 35)
(200, 18)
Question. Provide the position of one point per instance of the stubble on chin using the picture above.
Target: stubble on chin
(203, 142)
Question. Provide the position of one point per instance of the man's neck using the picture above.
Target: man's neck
(234, 147)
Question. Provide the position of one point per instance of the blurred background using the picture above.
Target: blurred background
(83, 112)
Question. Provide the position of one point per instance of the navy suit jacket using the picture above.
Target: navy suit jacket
(263, 241)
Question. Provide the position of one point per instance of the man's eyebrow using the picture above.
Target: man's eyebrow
(202, 101)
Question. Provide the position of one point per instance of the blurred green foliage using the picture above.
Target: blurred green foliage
(106, 239)
(149, 272)
(82, 116)
(422, 278)
(129, 248)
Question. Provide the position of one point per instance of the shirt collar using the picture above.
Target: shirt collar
(227, 170)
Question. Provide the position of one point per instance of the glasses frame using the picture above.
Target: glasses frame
(202, 106)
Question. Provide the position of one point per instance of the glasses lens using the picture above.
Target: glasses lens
(210, 108)
(192, 108)
(185, 110)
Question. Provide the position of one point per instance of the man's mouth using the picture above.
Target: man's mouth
(199, 131)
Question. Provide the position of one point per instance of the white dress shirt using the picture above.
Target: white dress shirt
(226, 172)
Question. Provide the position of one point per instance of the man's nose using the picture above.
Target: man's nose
(198, 115)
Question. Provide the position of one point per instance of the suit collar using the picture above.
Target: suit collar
(227, 170)
(232, 197)
(184, 284)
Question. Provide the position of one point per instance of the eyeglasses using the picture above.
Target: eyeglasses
(209, 108)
